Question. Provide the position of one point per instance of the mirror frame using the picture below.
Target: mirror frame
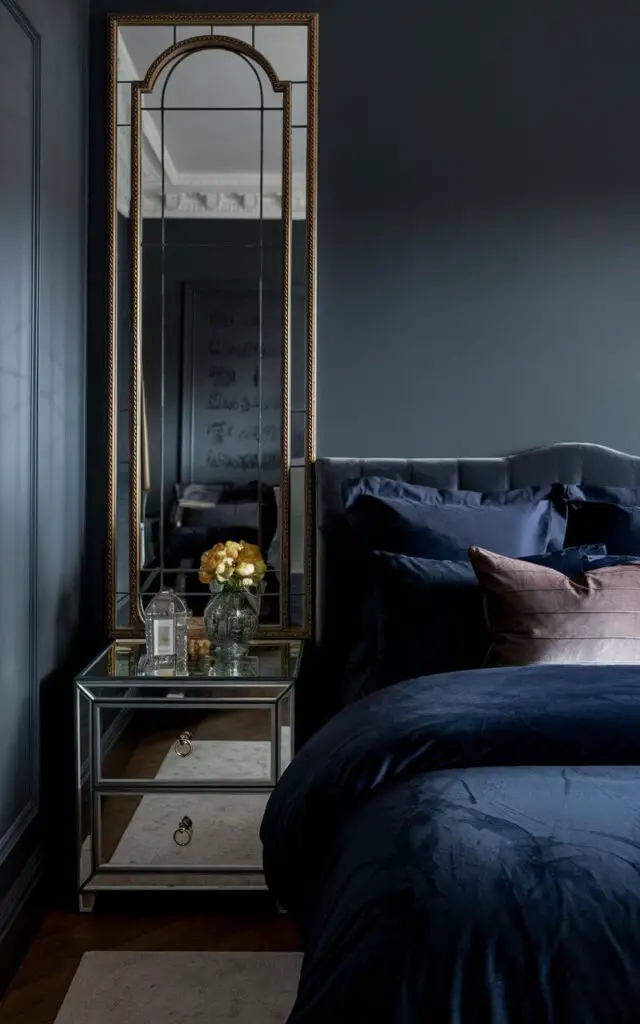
(137, 443)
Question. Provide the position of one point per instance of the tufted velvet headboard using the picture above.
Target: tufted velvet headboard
(565, 463)
(320, 692)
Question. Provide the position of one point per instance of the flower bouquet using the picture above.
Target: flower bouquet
(234, 571)
(233, 565)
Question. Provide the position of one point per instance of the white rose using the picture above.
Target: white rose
(247, 583)
(246, 569)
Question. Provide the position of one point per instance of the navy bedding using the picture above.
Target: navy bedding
(465, 849)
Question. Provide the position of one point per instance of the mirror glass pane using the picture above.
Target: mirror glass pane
(299, 105)
(297, 541)
(189, 31)
(299, 369)
(123, 371)
(244, 32)
(299, 272)
(124, 104)
(285, 47)
(139, 45)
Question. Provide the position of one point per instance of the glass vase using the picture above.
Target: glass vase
(231, 620)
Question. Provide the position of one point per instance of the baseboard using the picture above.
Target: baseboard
(21, 914)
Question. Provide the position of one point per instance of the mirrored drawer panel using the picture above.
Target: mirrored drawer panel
(239, 746)
(180, 831)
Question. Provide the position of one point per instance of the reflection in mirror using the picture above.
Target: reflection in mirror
(223, 425)
(286, 50)
(123, 369)
(212, 339)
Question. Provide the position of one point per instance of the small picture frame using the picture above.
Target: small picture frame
(164, 637)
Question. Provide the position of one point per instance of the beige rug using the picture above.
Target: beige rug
(182, 988)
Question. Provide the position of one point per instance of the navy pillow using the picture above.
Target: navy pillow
(605, 515)
(424, 616)
(390, 515)
(606, 561)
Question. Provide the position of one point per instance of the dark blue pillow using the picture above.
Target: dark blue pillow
(604, 515)
(424, 616)
(390, 515)
(606, 561)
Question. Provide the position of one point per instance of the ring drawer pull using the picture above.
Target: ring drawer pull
(184, 745)
(184, 832)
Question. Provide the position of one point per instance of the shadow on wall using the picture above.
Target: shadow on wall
(57, 763)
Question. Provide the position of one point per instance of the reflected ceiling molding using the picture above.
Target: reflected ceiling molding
(221, 196)
(206, 196)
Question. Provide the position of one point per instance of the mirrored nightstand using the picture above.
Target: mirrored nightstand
(173, 773)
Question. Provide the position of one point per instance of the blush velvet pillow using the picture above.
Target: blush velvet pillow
(537, 615)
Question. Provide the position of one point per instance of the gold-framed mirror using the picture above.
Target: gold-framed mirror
(212, 139)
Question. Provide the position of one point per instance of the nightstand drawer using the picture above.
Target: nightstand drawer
(241, 745)
(180, 831)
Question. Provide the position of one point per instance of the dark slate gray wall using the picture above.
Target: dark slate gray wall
(479, 222)
(43, 50)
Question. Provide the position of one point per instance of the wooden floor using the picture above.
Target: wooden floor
(237, 922)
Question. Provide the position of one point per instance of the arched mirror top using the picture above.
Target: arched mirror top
(180, 51)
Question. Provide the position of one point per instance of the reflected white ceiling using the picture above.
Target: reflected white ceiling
(210, 159)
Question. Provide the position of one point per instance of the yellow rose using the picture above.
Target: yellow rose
(209, 559)
(251, 553)
(245, 568)
(205, 559)
(232, 549)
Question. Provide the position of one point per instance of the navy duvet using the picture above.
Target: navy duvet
(465, 849)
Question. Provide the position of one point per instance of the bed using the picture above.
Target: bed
(464, 848)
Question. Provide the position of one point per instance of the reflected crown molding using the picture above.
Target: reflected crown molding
(212, 196)
(222, 196)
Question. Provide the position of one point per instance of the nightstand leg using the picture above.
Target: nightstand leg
(86, 902)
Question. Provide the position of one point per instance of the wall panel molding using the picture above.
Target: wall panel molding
(21, 890)
(43, 344)
(29, 811)
(17, 829)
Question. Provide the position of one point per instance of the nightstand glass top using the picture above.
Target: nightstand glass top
(269, 661)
